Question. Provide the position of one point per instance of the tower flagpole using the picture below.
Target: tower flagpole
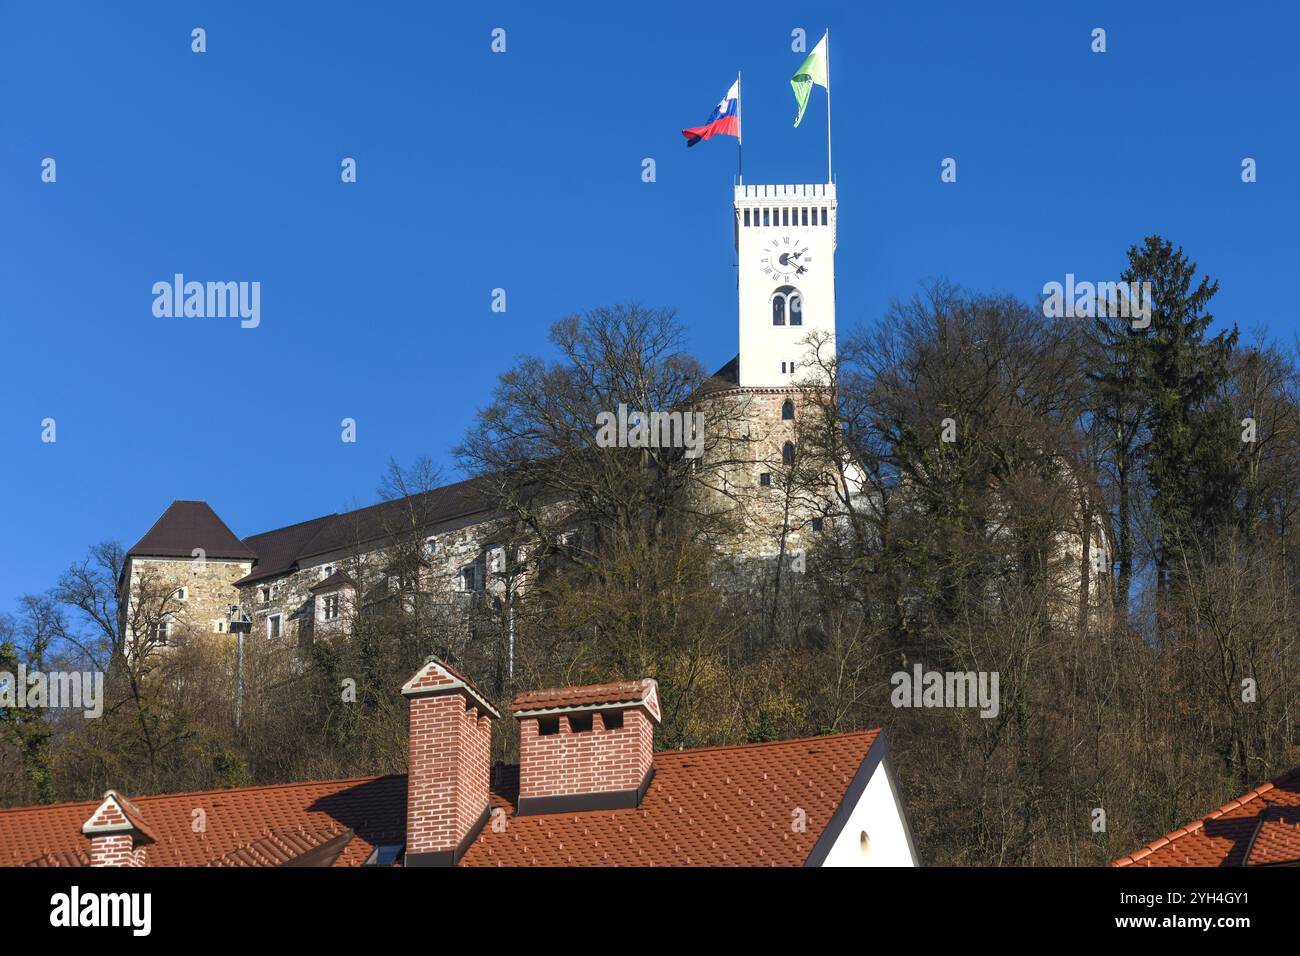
(740, 132)
(828, 105)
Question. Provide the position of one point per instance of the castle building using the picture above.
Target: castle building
(304, 580)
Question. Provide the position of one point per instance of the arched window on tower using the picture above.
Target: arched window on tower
(787, 411)
(787, 305)
(787, 453)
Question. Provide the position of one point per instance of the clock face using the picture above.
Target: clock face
(785, 257)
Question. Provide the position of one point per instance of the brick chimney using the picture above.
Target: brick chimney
(586, 748)
(118, 835)
(449, 764)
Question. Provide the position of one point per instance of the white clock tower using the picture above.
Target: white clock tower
(785, 241)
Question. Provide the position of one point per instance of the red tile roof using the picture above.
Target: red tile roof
(280, 848)
(719, 806)
(373, 807)
(64, 858)
(1277, 837)
(1258, 828)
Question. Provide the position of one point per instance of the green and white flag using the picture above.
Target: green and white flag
(814, 70)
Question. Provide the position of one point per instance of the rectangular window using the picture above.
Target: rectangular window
(264, 595)
(765, 480)
(469, 578)
(160, 631)
(767, 217)
(824, 219)
(747, 217)
(273, 627)
(817, 524)
(613, 719)
(805, 215)
(330, 607)
(548, 726)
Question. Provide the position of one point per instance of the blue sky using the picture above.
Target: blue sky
(522, 171)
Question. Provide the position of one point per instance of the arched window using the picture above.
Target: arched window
(787, 304)
(787, 411)
(787, 453)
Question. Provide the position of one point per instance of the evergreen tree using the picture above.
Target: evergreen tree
(27, 730)
(1189, 453)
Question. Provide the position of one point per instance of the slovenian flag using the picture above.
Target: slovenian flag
(724, 120)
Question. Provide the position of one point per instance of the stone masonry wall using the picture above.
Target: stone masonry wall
(209, 589)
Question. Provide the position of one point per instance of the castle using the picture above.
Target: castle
(305, 580)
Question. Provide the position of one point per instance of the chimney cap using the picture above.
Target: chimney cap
(643, 692)
(439, 677)
(117, 814)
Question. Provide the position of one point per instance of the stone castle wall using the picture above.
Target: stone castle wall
(208, 585)
(767, 519)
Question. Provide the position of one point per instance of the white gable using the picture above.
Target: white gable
(876, 832)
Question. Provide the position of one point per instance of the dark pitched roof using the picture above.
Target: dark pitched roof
(282, 550)
(332, 583)
(716, 806)
(723, 380)
(278, 551)
(187, 525)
